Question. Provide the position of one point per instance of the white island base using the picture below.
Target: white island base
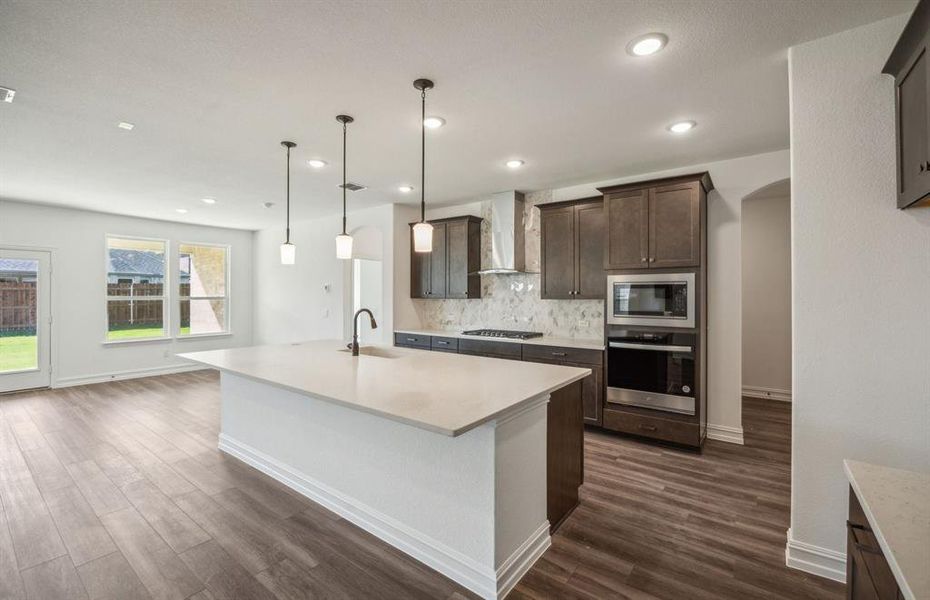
(473, 506)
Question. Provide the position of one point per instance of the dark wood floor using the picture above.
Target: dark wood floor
(117, 491)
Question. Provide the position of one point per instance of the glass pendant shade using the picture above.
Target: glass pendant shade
(422, 237)
(288, 253)
(344, 246)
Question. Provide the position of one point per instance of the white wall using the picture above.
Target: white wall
(766, 289)
(861, 272)
(77, 240)
(310, 299)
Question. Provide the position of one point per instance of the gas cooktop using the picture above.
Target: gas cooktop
(503, 333)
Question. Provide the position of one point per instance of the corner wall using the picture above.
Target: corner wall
(861, 284)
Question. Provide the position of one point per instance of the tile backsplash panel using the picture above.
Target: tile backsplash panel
(512, 301)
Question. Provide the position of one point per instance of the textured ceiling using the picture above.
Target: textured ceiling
(212, 87)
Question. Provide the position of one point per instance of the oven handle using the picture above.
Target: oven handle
(654, 347)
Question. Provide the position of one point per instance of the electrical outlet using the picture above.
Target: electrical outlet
(325, 313)
(584, 323)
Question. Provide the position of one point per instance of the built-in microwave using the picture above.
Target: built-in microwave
(651, 300)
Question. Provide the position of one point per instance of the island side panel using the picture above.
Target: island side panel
(427, 494)
(521, 526)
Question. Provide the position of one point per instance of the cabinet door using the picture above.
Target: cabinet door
(627, 230)
(675, 226)
(419, 272)
(437, 263)
(913, 130)
(590, 280)
(557, 252)
(592, 394)
(457, 259)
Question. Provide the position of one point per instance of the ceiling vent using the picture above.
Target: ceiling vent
(353, 187)
(6, 94)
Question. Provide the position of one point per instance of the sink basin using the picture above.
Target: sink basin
(378, 351)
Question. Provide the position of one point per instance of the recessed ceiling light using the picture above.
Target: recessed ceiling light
(267, 204)
(647, 44)
(125, 125)
(180, 210)
(681, 126)
(208, 200)
(405, 189)
(514, 164)
(434, 122)
(316, 163)
(7, 94)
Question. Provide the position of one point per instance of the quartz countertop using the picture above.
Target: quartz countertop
(441, 392)
(897, 505)
(546, 340)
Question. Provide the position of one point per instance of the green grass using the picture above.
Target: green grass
(17, 352)
(140, 332)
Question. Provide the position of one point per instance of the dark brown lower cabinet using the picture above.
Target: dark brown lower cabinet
(565, 453)
(868, 576)
(592, 386)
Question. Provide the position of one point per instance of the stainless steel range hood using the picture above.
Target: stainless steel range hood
(508, 240)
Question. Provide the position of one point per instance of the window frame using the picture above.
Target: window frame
(166, 282)
(227, 324)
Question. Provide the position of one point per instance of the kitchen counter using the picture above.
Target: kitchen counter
(443, 393)
(462, 462)
(546, 340)
(897, 505)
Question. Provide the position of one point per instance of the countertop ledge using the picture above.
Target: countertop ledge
(449, 394)
(546, 340)
(896, 505)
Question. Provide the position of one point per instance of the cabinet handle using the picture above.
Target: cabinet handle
(652, 259)
(921, 167)
(869, 549)
(411, 339)
(647, 427)
(644, 259)
(559, 354)
(442, 342)
(852, 525)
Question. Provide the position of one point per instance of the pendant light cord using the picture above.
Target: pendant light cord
(423, 157)
(287, 235)
(343, 178)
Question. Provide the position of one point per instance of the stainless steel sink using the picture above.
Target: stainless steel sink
(378, 351)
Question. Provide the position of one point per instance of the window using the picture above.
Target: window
(136, 278)
(203, 290)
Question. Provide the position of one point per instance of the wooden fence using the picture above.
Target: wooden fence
(139, 309)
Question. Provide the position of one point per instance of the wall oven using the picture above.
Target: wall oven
(651, 300)
(652, 370)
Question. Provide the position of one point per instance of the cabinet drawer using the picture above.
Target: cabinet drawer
(412, 340)
(444, 344)
(492, 349)
(653, 427)
(584, 356)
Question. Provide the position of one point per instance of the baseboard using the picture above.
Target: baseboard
(725, 433)
(118, 375)
(463, 570)
(815, 560)
(522, 559)
(767, 393)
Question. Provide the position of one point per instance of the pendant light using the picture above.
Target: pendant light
(344, 240)
(288, 250)
(423, 231)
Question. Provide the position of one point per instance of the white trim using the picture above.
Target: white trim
(767, 393)
(131, 374)
(523, 558)
(822, 562)
(478, 578)
(725, 433)
(141, 340)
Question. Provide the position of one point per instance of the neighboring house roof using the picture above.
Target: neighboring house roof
(17, 265)
(136, 262)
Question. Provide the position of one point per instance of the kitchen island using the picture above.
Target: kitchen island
(453, 459)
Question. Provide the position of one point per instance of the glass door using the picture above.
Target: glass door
(25, 320)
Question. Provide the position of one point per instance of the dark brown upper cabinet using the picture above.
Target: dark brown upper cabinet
(909, 64)
(655, 224)
(451, 269)
(571, 250)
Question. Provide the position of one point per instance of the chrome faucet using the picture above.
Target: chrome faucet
(374, 325)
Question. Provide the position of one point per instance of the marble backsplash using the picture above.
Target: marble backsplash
(512, 301)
